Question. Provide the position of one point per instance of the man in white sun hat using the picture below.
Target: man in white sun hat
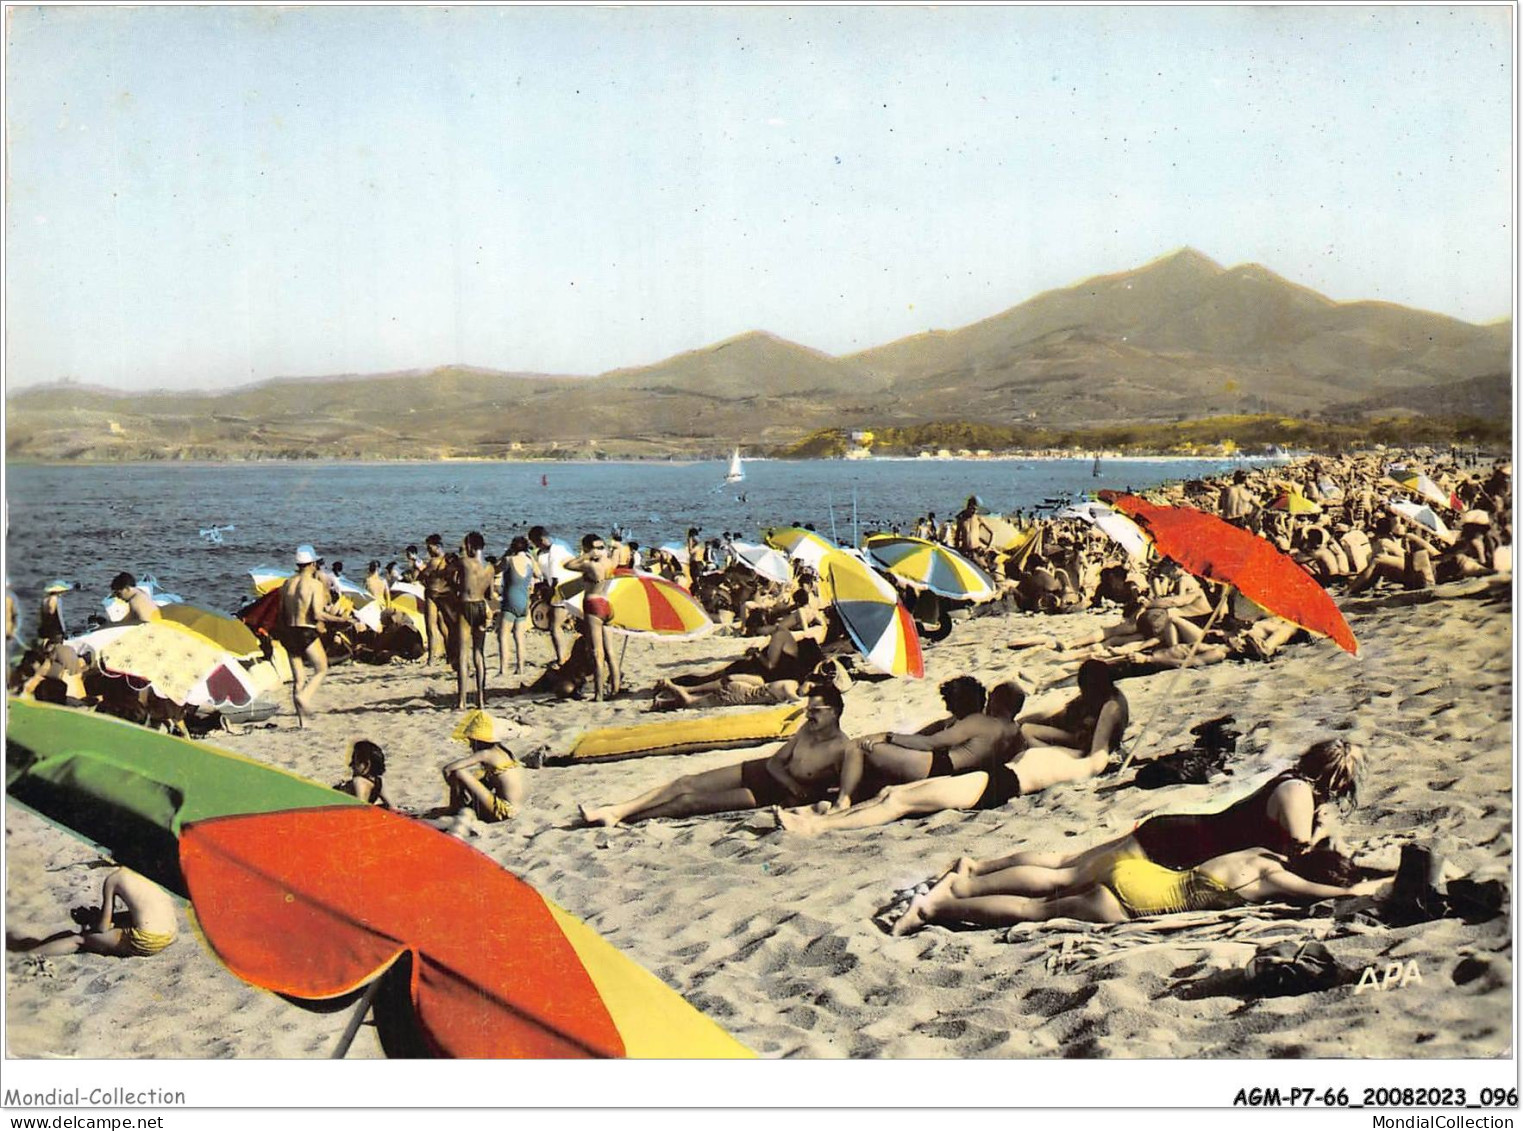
(303, 612)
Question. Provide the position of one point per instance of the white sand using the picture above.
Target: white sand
(773, 936)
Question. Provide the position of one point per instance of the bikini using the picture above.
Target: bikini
(296, 638)
(1004, 785)
(475, 613)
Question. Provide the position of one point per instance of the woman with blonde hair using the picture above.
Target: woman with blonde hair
(1280, 816)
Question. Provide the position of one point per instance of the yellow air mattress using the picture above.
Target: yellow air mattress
(687, 735)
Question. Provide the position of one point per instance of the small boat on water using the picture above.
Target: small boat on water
(736, 472)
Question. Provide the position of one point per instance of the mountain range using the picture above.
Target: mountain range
(1179, 338)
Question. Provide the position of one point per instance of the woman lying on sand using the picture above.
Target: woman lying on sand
(801, 772)
(1133, 887)
(1280, 816)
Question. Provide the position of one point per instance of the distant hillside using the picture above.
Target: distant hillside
(1180, 338)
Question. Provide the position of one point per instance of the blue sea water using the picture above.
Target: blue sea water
(86, 523)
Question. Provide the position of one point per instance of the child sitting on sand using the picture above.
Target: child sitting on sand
(488, 782)
(367, 766)
(149, 923)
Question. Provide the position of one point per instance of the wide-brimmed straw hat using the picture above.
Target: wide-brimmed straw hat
(59, 586)
(478, 726)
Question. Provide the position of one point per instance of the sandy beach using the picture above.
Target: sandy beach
(773, 935)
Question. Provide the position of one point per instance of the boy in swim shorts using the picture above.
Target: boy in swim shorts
(148, 924)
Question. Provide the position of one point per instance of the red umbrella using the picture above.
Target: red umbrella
(1218, 551)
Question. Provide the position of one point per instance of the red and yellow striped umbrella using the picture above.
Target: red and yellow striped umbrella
(643, 605)
(308, 892)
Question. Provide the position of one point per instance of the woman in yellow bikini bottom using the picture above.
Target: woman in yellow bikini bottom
(1132, 887)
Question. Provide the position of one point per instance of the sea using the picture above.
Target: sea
(198, 528)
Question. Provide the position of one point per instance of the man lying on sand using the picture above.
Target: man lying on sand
(149, 923)
(802, 772)
(1133, 888)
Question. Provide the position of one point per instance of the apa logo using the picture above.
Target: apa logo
(1396, 977)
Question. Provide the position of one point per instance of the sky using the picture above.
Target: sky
(206, 197)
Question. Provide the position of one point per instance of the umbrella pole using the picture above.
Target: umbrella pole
(357, 1018)
(1189, 659)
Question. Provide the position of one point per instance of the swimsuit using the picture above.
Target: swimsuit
(502, 808)
(1183, 840)
(1145, 888)
(1003, 786)
(941, 764)
(515, 593)
(145, 944)
(767, 790)
(598, 607)
(475, 613)
(296, 638)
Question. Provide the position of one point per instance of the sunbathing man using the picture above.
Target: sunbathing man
(140, 606)
(149, 923)
(738, 690)
(488, 781)
(801, 772)
(475, 581)
(303, 601)
(975, 741)
(1134, 888)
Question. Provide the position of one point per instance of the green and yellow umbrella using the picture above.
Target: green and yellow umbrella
(310, 893)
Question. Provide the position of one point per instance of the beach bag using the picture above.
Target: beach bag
(1293, 968)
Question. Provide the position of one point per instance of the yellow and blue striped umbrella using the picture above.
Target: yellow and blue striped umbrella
(880, 627)
(930, 565)
(804, 545)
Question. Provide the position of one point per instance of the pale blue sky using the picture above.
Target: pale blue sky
(205, 197)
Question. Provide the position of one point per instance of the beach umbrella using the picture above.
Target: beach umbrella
(310, 893)
(643, 605)
(1293, 502)
(677, 550)
(224, 631)
(1214, 549)
(266, 578)
(1423, 487)
(177, 664)
(869, 608)
(1422, 515)
(802, 545)
(764, 560)
(930, 565)
(410, 588)
(1116, 526)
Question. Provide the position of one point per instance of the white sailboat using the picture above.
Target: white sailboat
(736, 472)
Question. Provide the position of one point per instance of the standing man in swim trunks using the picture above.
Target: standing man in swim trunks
(434, 577)
(552, 558)
(475, 580)
(140, 606)
(303, 610)
(149, 923)
(800, 773)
